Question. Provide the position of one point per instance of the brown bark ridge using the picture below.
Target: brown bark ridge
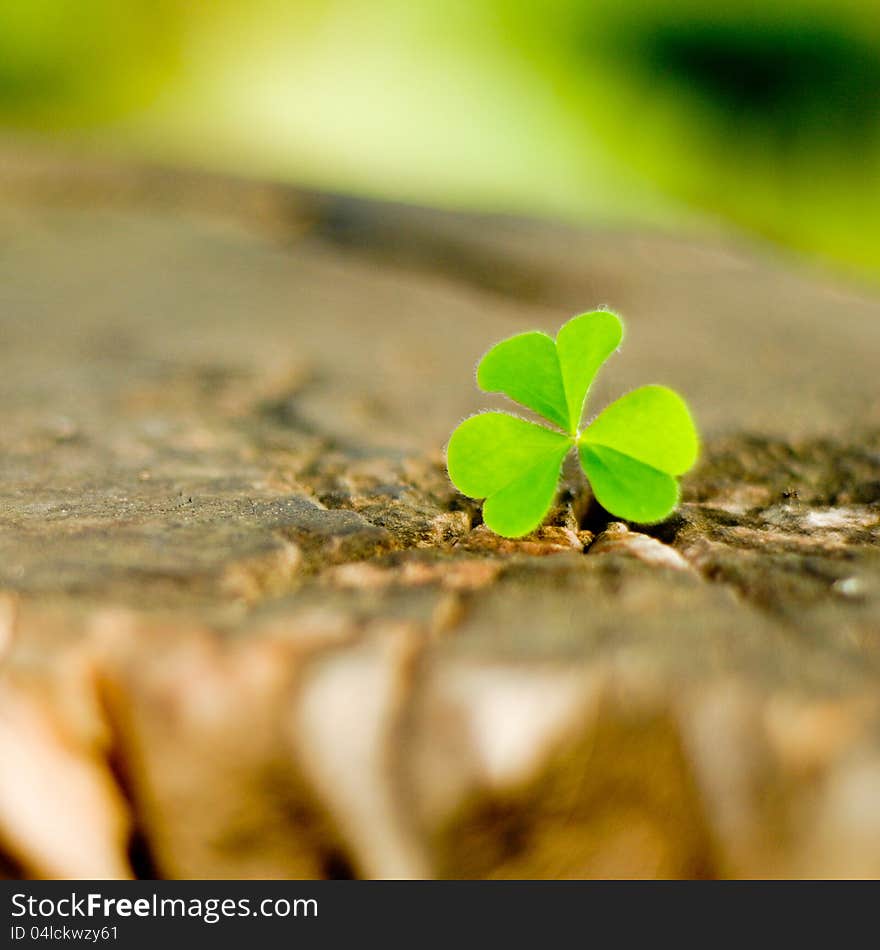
(248, 628)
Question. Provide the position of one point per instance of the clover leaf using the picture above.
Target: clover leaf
(631, 453)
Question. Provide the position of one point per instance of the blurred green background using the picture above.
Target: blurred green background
(680, 114)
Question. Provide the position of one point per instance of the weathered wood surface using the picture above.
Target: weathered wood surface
(249, 629)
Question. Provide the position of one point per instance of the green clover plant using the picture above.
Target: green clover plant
(631, 452)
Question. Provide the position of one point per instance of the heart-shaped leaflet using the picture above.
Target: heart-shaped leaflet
(631, 453)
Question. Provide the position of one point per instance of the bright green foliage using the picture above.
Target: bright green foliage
(627, 487)
(511, 463)
(583, 344)
(631, 452)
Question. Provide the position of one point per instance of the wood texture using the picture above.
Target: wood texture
(248, 629)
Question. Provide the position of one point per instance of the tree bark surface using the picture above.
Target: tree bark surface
(249, 629)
